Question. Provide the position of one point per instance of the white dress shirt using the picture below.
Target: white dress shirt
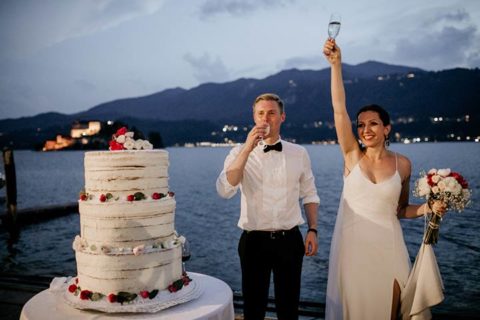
(271, 187)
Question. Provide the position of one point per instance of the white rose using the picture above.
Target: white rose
(169, 244)
(129, 134)
(121, 139)
(458, 189)
(466, 194)
(444, 172)
(435, 189)
(182, 239)
(432, 171)
(452, 185)
(77, 243)
(441, 185)
(138, 144)
(138, 250)
(147, 145)
(423, 187)
(436, 178)
(129, 144)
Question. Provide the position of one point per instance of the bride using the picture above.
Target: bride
(369, 263)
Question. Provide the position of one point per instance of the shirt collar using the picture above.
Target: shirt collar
(259, 148)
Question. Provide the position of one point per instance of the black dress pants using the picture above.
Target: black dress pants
(264, 252)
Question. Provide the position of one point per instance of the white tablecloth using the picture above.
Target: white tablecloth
(215, 303)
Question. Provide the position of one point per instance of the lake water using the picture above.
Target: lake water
(209, 222)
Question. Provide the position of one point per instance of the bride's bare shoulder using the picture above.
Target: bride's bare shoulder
(404, 166)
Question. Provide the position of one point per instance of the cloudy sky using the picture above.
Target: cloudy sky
(70, 55)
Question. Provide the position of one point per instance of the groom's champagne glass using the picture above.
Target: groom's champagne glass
(334, 25)
(267, 131)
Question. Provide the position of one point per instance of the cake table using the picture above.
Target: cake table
(215, 303)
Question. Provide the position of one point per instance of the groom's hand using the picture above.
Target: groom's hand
(311, 244)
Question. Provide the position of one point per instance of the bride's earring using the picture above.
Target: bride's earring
(360, 144)
(387, 141)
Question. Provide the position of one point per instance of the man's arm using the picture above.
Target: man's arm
(234, 171)
(311, 202)
(234, 167)
(311, 243)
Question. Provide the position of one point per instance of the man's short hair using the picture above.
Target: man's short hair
(270, 97)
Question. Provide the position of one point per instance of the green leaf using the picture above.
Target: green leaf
(139, 196)
(126, 297)
(153, 294)
(96, 296)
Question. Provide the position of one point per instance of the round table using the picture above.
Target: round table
(215, 303)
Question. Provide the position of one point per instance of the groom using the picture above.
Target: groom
(272, 178)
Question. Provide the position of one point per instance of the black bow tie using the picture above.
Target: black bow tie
(277, 147)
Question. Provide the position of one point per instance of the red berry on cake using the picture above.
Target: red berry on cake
(114, 145)
(72, 288)
(83, 197)
(144, 294)
(85, 294)
(103, 198)
(121, 131)
(112, 298)
(156, 196)
(171, 193)
(130, 197)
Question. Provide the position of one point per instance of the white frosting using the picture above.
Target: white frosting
(125, 172)
(129, 273)
(128, 246)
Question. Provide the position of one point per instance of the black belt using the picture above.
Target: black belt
(272, 234)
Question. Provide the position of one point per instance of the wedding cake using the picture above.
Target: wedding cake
(128, 251)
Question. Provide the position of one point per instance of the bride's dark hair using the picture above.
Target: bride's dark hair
(382, 113)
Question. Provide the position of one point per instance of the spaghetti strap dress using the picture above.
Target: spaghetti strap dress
(368, 252)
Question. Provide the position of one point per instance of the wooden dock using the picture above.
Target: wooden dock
(16, 290)
(36, 215)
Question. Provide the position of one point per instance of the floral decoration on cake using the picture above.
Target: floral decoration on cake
(123, 140)
(125, 297)
(137, 196)
(80, 244)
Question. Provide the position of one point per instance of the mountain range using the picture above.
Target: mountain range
(412, 96)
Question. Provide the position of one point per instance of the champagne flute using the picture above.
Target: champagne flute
(334, 25)
(267, 131)
(186, 254)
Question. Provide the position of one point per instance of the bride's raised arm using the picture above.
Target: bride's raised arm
(343, 124)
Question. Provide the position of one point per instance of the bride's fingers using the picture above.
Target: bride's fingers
(439, 207)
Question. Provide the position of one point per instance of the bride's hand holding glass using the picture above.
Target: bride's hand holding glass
(332, 52)
(330, 49)
(334, 25)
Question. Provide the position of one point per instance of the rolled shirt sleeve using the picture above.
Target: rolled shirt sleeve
(224, 188)
(308, 191)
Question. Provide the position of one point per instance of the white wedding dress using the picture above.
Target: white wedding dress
(368, 252)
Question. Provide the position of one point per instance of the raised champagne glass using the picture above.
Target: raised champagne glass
(334, 25)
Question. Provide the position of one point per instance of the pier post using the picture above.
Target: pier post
(11, 193)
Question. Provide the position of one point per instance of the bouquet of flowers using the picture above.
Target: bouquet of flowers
(444, 185)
